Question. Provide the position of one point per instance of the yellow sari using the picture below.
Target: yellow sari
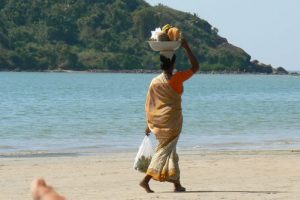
(164, 118)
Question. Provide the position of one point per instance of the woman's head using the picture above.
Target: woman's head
(167, 64)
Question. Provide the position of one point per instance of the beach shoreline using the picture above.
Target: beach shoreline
(57, 154)
(271, 174)
(147, 71)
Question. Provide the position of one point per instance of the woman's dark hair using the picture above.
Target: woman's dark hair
(167, 63)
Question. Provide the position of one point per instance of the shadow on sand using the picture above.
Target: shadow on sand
(230, 191)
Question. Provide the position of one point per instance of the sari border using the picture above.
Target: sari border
(163, 176)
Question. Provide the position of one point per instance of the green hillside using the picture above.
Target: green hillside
(105, 34)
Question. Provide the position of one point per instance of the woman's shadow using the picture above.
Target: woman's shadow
(230, 191)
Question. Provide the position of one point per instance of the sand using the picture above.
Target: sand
(237, 175)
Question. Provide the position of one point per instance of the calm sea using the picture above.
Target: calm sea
(93, 113)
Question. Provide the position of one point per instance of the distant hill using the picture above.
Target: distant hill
(106, 34)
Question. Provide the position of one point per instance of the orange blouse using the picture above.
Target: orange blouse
(178, 78)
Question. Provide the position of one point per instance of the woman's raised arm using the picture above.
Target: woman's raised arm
(195, 65)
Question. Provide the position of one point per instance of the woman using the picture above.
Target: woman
(164, 119)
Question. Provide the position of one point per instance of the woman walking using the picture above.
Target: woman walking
(164, 119)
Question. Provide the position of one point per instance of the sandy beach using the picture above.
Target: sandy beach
(217, 175)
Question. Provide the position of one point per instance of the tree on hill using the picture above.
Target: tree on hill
(106, 34)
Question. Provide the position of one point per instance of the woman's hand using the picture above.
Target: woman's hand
(147, 131)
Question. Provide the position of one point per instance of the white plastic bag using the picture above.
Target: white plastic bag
(144, 155)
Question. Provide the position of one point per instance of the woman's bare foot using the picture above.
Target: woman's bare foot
(179, 188)
(145, 185)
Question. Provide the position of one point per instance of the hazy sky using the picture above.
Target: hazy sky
(269, 30)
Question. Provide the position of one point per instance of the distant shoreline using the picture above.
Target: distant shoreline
(45, 154)
(146, 71)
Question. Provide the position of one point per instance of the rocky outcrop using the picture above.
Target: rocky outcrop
(294, 74)
(280, 70)
(256, 67)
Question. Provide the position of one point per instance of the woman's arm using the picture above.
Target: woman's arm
(195, 65)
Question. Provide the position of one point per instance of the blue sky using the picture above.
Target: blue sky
(269, 30)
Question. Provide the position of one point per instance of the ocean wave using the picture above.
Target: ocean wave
(31, 154)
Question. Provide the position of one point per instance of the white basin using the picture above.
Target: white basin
(164, 45)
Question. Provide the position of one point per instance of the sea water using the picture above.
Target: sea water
(44, 113)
